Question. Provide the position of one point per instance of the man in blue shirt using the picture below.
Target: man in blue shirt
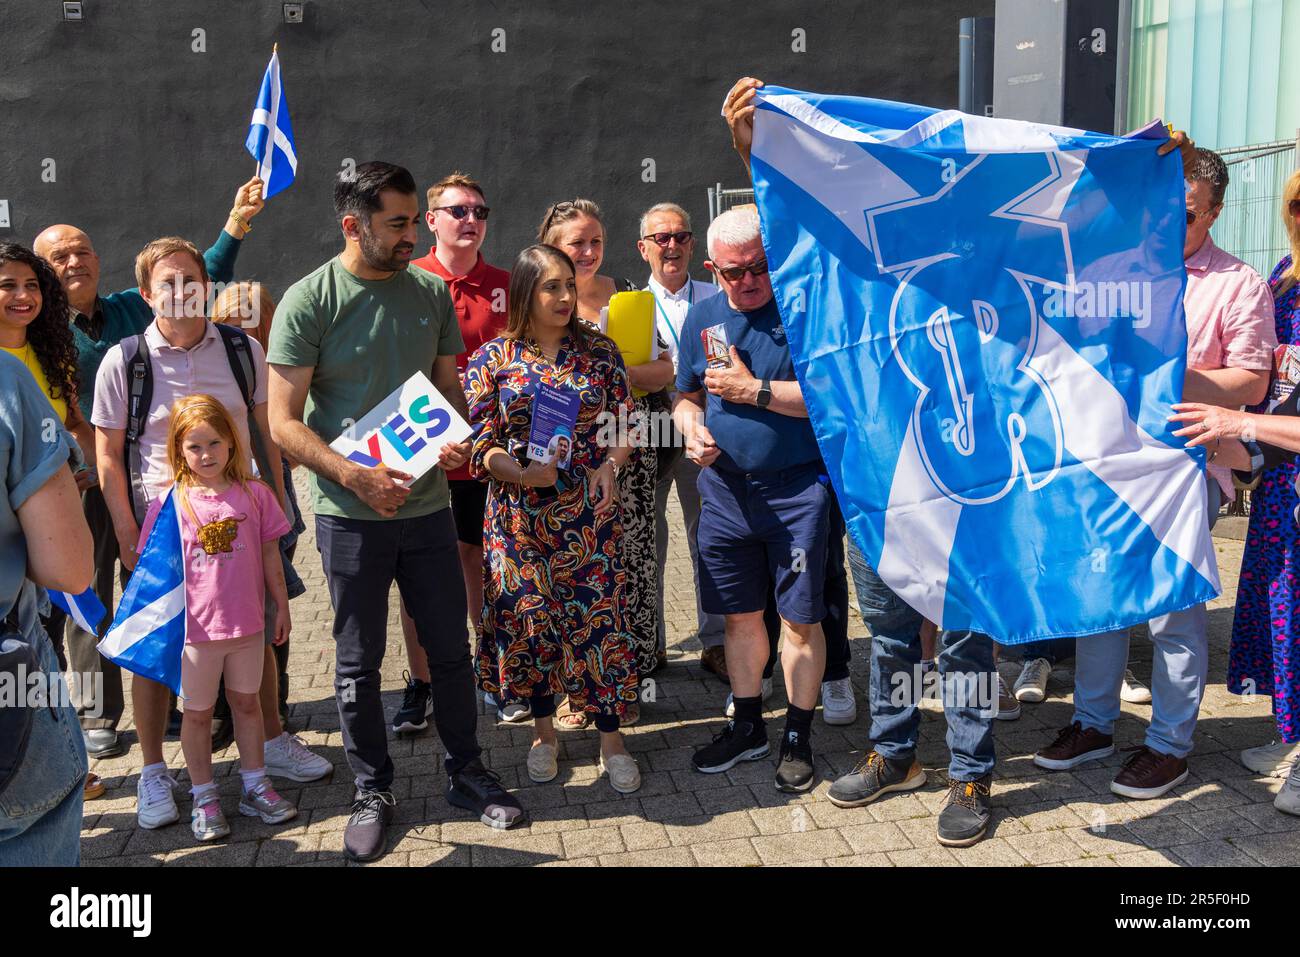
(764, 497)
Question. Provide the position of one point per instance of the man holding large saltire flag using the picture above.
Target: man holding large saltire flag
(1000, 443)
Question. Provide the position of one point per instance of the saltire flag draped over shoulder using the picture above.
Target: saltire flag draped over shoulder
(986, 318)
(147, 636)
(270, 137)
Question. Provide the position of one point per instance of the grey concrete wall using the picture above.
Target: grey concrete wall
(146, 135)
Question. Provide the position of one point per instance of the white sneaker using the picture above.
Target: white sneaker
(1134, 691)
(1288, 798)
(155, 804)
(730, 710)
(288, 757)
(1031, 686)
(838, 704)
(1273, 759)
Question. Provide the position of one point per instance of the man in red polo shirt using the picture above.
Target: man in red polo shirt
(457, 217)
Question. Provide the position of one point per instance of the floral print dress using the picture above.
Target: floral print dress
(553, 575)
(1263, 657)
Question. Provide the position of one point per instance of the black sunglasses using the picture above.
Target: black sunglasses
(663, 239)
(460, 212)
(734, 273)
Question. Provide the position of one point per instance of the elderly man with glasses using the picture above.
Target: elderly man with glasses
(765, 497)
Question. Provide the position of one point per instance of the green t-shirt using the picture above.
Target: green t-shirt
(365, 337)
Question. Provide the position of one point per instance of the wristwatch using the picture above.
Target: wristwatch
(764, 398)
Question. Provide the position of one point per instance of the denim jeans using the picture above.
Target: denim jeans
(1179, 664)
(965, 665)
(40, 809)
(362, 559)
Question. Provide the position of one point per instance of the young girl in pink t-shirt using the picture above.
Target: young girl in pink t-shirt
(230, 529)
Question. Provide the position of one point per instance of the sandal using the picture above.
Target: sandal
(631, 715)
(572, 720)
(93, 788)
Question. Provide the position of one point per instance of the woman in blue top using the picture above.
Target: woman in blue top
(44, 540)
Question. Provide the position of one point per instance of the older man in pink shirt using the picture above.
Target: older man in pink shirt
(1230, 343)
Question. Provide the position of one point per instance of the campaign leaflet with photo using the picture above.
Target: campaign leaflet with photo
(406, 431)
(555, 415)
(717, 350)
(1286, 374)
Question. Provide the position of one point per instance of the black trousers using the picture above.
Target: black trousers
(362, 559)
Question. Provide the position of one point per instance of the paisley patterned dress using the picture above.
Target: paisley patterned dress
(1264, 656)
(553, 576)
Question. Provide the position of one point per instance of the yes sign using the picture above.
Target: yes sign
(406, 431)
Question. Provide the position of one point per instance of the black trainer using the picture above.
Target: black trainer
(731, 746)
(365, 837)
(965, 814)
(876, 776)
(417, 706)
(477, 789)
(795, 772)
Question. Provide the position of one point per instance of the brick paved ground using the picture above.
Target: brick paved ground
(1221, 815)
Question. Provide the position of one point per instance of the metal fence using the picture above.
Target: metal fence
(1250, 226)
(721, 200)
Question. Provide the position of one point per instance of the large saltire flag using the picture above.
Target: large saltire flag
(147, 636)
(986, 319)
(270, 136)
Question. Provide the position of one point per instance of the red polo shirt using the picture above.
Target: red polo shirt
(480, 300)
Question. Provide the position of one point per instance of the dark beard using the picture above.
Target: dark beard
(376, 256)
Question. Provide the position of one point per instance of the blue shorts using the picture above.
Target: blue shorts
(761, 528)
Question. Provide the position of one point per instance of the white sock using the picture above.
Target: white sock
(252, 779)
(199, 790)
(153, 770)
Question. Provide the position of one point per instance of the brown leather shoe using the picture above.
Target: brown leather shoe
(1149, 774)
(1073, 746)
(715, 659)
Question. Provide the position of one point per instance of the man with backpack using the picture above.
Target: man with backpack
(99, 322)
(180, 353)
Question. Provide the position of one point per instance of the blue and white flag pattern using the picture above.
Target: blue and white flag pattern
(986, 319)
(270, 137)
(147, 636)
(85, 609)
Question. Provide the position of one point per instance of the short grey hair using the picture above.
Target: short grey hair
(663, 208)
(735, 227)
(1209, 167)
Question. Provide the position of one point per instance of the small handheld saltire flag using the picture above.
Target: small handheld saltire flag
(986, 319)
(147, 636)
(270, 137)
(85, 609)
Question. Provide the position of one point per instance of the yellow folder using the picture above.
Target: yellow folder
(632, 327)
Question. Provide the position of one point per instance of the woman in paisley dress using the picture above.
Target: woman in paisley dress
(553, 575)
(576, 228)
(1263, 657)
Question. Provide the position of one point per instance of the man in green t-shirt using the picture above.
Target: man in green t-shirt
(344, 338)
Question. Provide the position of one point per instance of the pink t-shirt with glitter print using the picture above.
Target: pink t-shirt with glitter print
(224, 591)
